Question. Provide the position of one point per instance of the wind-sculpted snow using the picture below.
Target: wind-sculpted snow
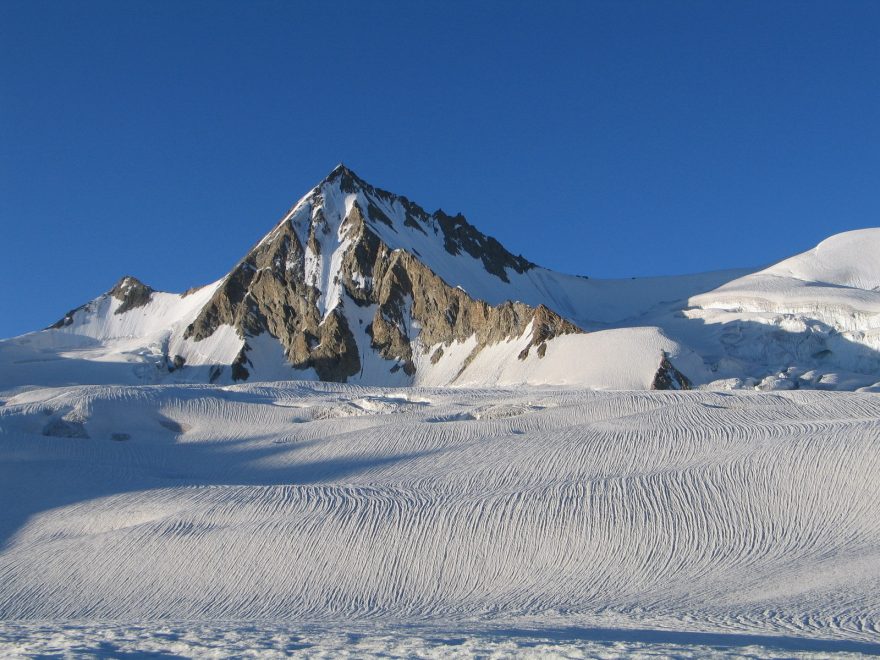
(743, 513)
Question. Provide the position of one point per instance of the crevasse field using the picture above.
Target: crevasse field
(317, 518)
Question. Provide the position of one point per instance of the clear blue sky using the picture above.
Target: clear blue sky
(162, 139)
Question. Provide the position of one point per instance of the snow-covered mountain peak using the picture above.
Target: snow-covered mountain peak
(345, 209)
(359, 284)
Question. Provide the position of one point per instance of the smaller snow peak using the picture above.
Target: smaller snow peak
(132, 293)
(129, 291)
(125, 283)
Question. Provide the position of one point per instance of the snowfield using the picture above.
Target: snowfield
(315, 518)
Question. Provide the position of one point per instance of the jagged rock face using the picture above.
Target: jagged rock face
(460, 236)
(456, 233)
(668, 377)
(325, 263)
(402, 284)
(267, 292)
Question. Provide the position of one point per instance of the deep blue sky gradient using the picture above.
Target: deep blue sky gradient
(613, 139)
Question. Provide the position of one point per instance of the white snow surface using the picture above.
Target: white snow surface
(621, 359)
(321, 518)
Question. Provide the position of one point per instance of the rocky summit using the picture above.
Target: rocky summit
(327, 286)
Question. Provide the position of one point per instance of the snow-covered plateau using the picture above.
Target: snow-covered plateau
(323, 518)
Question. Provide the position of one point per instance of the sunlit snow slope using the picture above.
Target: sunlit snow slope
(318, 502)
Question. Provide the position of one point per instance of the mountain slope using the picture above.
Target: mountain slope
(337, 295)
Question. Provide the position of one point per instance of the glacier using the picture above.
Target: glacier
(637, 518)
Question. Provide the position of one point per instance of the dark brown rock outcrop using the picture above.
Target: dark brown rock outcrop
(132, 293)
(668, 377)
